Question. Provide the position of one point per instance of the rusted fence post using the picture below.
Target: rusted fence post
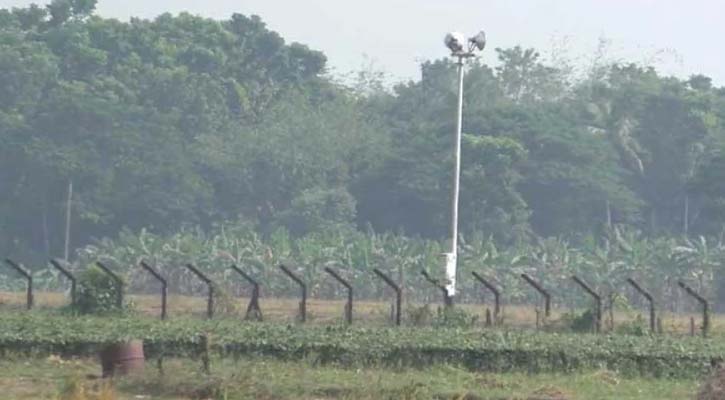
(209, 285)
(73, 282)
(398, 293)
(343, 282)
(164, 286)
(303, 294)
(117, 279)
(447, 300)
(542, 291)
(253, 309)
(650, 299)
(496, 295)
(28, 277)
(597, 300)
(705, 307)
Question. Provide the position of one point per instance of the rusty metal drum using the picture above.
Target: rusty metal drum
(122, 358)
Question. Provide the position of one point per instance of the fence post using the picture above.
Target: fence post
(652, 313)
(209, 285)
(496, 295)
(253, 309)
(398, 293)
(705, 307)
(164, 286)
(542, 291)
(28, 277)
(447, 300)
(303, 288)
(597, 300)
(343, 282)
(57, 265)
(117, 279)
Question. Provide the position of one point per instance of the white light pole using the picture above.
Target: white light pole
(457, 42)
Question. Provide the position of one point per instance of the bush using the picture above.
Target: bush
(636, 327)
(454, 317)
(583, 322)
(419, 316)
(97, 293)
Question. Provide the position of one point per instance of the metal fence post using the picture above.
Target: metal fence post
(542, 291)
(28, 277)
(73, 282)
(303, 287)
(164, 286)
(119, 283)
(597, 300)
(447, 300)
(648, 296)
(398, 293)
(253, 309)
(209, 285)
(343, 282)
(705, 307)
(496, 295)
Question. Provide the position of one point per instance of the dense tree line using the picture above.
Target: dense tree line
(184, 120)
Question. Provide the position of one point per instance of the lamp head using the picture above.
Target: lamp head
(455, 41)
(479, 41)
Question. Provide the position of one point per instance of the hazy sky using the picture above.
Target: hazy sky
(681, 37)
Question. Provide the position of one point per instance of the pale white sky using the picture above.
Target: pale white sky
(681, 37)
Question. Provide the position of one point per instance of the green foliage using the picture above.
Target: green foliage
(657, 264)
(224, 303)
(182, 121)
(97, 292)
(489, 350)
(455, 317)
(637, 327)
(320, 210)
(582, 322)
(419, 316)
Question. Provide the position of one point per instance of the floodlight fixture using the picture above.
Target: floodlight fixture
(479, 41)
(454, 41)
(462, 47)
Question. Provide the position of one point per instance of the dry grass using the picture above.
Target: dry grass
(76, 388)
(331, 311)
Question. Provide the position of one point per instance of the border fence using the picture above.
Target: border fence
(343, 285)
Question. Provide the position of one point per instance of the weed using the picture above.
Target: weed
(75, 388)
(419, 315)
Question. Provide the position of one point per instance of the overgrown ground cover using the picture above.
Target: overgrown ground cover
(43, 334)
(259, 378)
(366, 312)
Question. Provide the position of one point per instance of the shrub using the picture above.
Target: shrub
(97, 293)
(419, 316)
(454, 317)
(637, 327)
(583, 322)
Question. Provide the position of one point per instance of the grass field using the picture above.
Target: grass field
(267, 379)
(366, 312)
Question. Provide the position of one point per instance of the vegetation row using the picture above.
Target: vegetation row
(41, 334)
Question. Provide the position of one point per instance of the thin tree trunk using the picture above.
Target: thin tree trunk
(401, 278)
(46, 234)
(686, 226)
(612, 296)
(67, 220)
(609, 215)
